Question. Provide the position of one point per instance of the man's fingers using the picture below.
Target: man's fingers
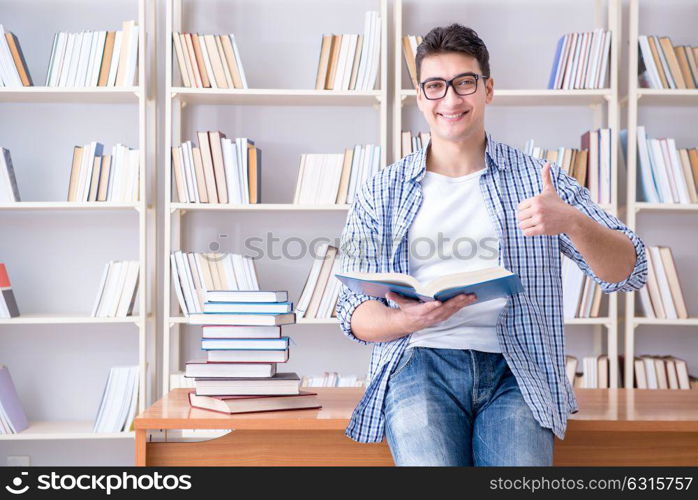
(401, 300)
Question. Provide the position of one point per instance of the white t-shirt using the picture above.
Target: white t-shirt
(453, 232)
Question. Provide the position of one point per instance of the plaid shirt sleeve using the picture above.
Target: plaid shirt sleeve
(574, 194)
(359, 251)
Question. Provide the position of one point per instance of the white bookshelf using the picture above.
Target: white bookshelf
(141, 96)
(604, 102)
(647, 97)
(178, 98)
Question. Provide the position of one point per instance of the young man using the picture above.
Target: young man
(483, 384)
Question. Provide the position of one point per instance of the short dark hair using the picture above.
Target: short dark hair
(453, 38)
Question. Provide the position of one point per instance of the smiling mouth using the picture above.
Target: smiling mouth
(452, 117)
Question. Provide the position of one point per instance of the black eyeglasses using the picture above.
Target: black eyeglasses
(464, 84)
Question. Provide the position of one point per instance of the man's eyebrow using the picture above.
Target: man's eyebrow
(467, 73)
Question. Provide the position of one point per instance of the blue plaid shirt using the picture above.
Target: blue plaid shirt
(530, 330)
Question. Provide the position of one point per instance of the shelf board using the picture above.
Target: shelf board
(255, 207)
(668, 97)
(666, 207)
(588, 321)
(69, 205)
(276, 97)
(115, 95)
(666, 322)
(63, 430)
(536, 97)
(52, 319)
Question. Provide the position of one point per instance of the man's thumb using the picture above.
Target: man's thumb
(547, 177)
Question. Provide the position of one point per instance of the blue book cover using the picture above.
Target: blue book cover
(486, 284)
(556, 63)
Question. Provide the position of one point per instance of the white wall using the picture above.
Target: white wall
(60, 370)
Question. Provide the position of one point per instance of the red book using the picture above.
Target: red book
(8, 304)
(248, 404)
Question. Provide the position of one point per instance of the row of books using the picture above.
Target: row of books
(8, 303)
(409, 49)
(9, 191)
(119, 400)
(209, 61)
(13, 67)
(581, 294)
(333, 379)
(328, 179)
(667, 174)
(661, 65)
(95, 58)
(98, 177)
(193, 273)
(351, 61)
(12, 416)
(595, 374)
(590, 165)
(219, 170)
(662, 297)
(662, 372)
(581, 61)
(413, 142)
(321, 290)
(117, 290)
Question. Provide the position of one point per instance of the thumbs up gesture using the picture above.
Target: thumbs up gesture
(545, 213)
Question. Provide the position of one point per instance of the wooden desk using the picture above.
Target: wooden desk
(613, 427)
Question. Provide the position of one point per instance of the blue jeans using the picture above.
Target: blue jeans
(461, 407)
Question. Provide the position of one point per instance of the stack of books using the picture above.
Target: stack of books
(95, 58)
(117, 290)
(97, 177)
(12, 416)
(243, 344)
(662, 65)
(595, 375)
(590, 165)
(350, 62)
(413, 142)
(409, 49)
(662, 372)
(219, 170)
(581, 61)
(667, 174)
(333, 379)
(661, 297)
(321, 289)
(581, 294)
(193, 273)
(13, 67)
(332, 179)
(119, 400)
(9, 191)
(209, 61)
(8, 303)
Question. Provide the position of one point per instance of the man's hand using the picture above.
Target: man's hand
(414, 315)
(546, 213)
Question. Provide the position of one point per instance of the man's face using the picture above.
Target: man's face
(454, 117)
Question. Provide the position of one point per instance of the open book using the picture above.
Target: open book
(486, 284)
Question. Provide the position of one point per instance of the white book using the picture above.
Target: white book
(120, 172)
(338, 82)
(572, 283)
(660, 171)
(134, 399)
(75, 59)
(62, 77)
(196, 275)
(132, 58)
(188, 156)
(207, 63)
(353, 177)
(241, 70)
(231, 172)
(83, 60)
(361, 77)
(52, 60)
(375, 52)
(310, 283)
(594, 59)
(663, 282)
(299, 182)
(351, 55)
(110, 287)
(128, 27)
(569, 71)
(646, 303)
(326, 302)
(605, 55)
(113, 304)
(666, 157)
(100, 290)
(86, 77)
(115, 56)
(242, 168)
(665, 64)
(177, 285)
(136, 175)
(186, 174)
(677, 169)
(231, 282)
(652, 72)
(101, 412)
(564, 58)
(129, 289)
(114, 174)
(187, 283)
(575, 55)
(99, 55)
(646, 175)
(583, 61)
(85, 174)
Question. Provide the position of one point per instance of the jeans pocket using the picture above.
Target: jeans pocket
(404, 361)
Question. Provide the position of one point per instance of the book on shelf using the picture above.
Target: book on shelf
(245, 344)
(8, 302)
(248, 296)
(486, 284)
(9, 191)
(98, 177)
(667, 174)
(179, 381)
(195, 273)
(329, 179)
(240, 332)
(248, 307)
(321, 290)
(118, 289)
(12, 416)
(581, 61)
(662, 372)
(209, 61)
(581, 294)
(591, 166)
(333, 379)
(241, 319)
(95, 58)
(279, 384)
(248, 404)
(662, 297)
(205, 368)
(595, 374)
(13, 67)
(350, 61)
(119, 400)
(219, 170)
(409, 50)
(662, 65)
(413, 142)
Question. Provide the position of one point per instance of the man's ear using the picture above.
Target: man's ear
(489, 90)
